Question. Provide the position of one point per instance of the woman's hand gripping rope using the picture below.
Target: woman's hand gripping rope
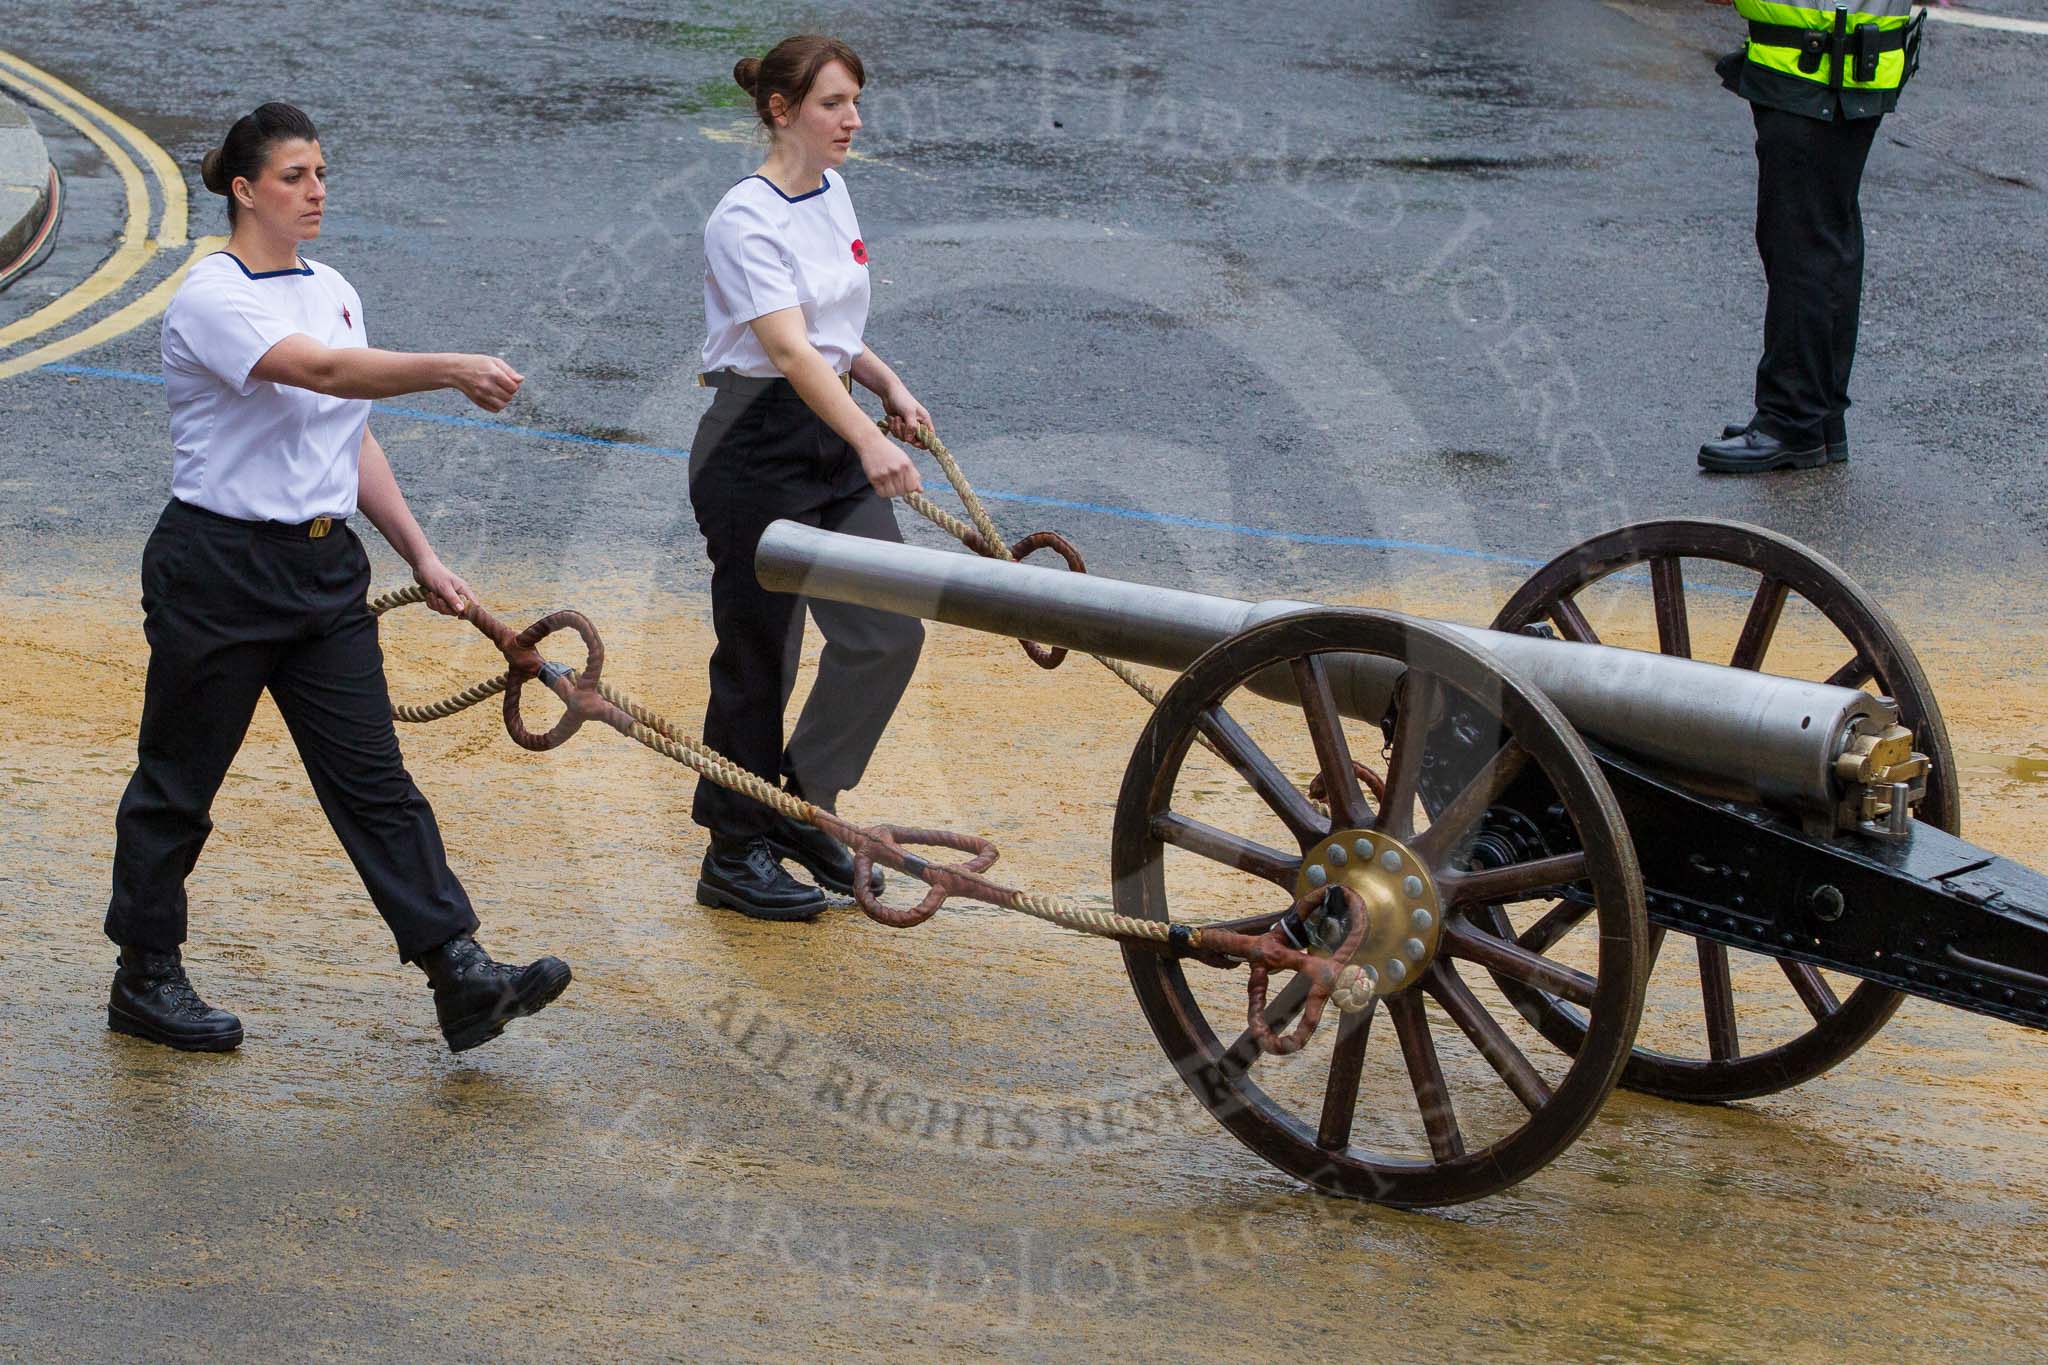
(587, 697)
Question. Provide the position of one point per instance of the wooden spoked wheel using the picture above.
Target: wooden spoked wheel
(1487, 1101)
(1751, 1041)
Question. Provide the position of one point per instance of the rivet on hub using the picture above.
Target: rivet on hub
(1363, 848)
(1415, 949)
(1396, 969)
(1421, 920)
(1391, 860)
(1413, 886)
(1338, 857)
(1318, 875)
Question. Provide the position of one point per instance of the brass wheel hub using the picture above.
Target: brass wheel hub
(1404, 916)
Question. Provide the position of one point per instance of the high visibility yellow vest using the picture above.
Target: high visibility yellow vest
(1807, 41)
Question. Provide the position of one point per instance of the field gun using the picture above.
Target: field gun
(1552, 809)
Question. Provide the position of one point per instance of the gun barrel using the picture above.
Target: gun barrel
(1746, 736)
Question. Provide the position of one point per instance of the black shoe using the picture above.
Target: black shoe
(152, 998)
(1753, 452)
(1837, 436)
(746, 875)
(823, 856)
(475, 997)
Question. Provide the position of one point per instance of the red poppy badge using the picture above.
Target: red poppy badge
(860, 251)
(347, 321)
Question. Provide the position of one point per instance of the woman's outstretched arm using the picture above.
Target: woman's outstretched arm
(360, 372)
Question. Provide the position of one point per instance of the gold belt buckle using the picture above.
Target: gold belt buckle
(319, 527)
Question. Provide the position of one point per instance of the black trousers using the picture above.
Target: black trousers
(1809, 231)
(756, 459)
(231, 608)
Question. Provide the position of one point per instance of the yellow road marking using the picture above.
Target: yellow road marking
(135, 249)
(125, 320)
(172, 228)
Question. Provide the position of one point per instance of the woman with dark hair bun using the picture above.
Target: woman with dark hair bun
(253, 580)
(785, 303)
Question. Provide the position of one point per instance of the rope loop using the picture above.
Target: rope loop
(1046, 657)
(889, 840)
(579, 692)
(1328, 976)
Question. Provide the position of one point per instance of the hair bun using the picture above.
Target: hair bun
(747, 72)
(210, 172)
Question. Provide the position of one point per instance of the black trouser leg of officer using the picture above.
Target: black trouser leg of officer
(1809, 232)
(756, 460)
(232, 609)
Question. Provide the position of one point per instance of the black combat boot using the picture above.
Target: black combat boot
(1834, 428)
(1758, 452)
(152, 998)
(476, 997)
(823, 856)
(746, 875)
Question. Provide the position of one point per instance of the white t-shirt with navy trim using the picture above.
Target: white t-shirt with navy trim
(244, 448)
(766, 251)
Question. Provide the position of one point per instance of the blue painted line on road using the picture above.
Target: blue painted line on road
(95, 372)
(1255, 532)
(991, 494)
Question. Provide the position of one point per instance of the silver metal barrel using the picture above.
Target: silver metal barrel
(1746, 736)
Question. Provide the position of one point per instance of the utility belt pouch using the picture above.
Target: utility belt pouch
(1812, 48)
(1863, 42)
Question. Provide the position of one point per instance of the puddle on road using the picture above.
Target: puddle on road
(644, 1147)
(2021, 766)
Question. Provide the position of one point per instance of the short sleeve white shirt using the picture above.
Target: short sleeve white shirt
(765, 252)
(244, 448)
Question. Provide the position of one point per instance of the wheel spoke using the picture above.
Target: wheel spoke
(1813, 988)
(1288, 801)
(1558, 921)
(1231, 850)
(1280, 1011)
(1667, 592)
(1435, 844)
(1719, 992)
(1572, 623)
(1417, 696)
(1513, 882)
(1761, 623)
(1347, 1061)
(1855, 673)
(1326, 729)
(1487, 1036)
(1497, 954)
(1418, 1049)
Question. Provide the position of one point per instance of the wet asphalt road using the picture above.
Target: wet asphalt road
(1476, 277)
(1425, 274)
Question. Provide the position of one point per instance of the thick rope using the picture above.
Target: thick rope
(1346, 988)
(660, 734)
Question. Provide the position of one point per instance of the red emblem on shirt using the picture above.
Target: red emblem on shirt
(346, 319)
(860, 251)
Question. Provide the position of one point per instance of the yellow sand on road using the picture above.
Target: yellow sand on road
(733, 1139)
